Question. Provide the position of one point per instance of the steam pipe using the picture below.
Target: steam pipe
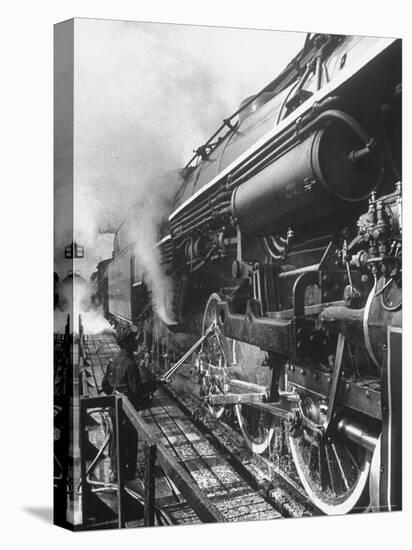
(343, 117)
(293, 272)
(221, 201)
(325, 71)
(219, 196)
(203, 221)
(294, 89)
(279, 248)
(270, 251)
(318, 72)
(195, 211)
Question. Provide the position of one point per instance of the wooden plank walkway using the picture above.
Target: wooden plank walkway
(208, 467)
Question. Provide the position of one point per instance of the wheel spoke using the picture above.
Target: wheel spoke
(355, 464)
(312, 456)
(339, 482)
(331, 476)
(322, 472)
(339, 463)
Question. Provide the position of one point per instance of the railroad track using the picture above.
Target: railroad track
(214, 474)
(243, 486)
(281, 490)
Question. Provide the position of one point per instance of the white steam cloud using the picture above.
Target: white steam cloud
(146, 217)
(145, 96)
(75, 296)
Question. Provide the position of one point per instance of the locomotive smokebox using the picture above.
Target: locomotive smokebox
(320, 175)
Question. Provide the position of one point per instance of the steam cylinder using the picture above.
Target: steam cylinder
(313, 179)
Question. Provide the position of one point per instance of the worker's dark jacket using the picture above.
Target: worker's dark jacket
(123, 375)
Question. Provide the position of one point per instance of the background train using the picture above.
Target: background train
(284, 241)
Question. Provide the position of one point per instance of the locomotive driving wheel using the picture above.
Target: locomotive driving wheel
(214, 352)
(227, 358)
(257, 427)
(333, 471)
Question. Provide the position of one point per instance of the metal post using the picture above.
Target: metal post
(80, 337)
(82, 378)
(68, 367)
(61, 461)
(149, 485)
(83, 469)
(121, 466)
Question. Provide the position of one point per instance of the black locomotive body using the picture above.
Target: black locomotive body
(284, 246)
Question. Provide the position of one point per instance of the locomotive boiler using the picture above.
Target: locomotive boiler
(283, 248)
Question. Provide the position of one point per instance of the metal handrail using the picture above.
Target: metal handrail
(155, 452)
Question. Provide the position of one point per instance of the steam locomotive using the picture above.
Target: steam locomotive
(283, 257)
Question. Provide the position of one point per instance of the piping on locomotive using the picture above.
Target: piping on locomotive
(285, 243)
